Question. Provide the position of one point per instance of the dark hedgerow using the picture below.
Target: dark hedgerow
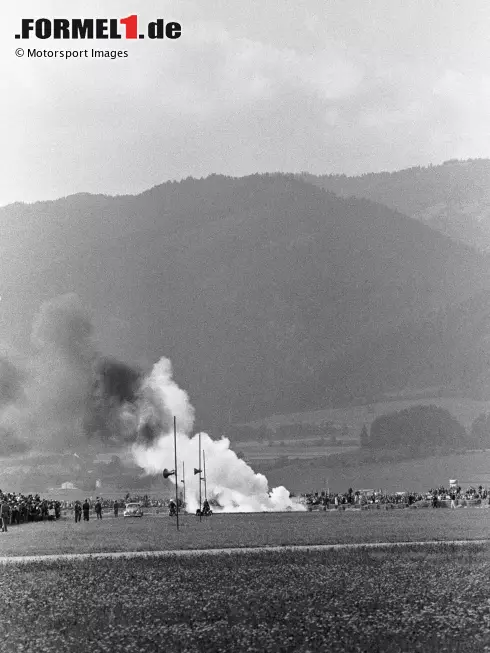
(427, 599)
(416, 429)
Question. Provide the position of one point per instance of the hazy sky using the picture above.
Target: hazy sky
(320, 85)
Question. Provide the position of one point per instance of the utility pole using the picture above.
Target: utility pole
(205, 481)
(200, 480)
(183, 480)
(176, 476)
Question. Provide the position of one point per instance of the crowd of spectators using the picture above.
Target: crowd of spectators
(16, 508)
(437, 497)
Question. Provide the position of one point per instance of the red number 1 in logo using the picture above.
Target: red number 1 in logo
(131, 23)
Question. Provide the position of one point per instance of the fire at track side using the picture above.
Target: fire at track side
(65, 395)
(232, 485)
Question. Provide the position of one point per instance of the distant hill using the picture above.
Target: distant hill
(471, 469)
(447, 354)
(453, 198)
(267, 292)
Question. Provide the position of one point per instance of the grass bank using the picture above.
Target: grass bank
(422, 599)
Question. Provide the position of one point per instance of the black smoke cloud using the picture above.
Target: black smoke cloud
(113, 404)
(63, 325)
(61, 380)
(67, 394)
(12, 379)
(118, 380)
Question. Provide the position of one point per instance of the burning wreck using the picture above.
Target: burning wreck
(67, 397)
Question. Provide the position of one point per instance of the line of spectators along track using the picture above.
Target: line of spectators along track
(21, 508)
(17, 508)
(436, 497)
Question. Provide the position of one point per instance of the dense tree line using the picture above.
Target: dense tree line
(418, 429)
(480, 431)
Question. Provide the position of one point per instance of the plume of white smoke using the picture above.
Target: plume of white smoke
(162, 399)
(66, 394)
(230, 480)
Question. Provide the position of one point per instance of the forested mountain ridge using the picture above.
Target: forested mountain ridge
(253, 287)
(453, 198)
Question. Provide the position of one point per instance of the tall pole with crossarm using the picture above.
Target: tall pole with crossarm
(167, 473)
(204, 471)
(176, 476)
(198, 470)
(183, 484)
(200, 480)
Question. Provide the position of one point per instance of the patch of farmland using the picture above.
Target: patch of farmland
(470, 468)
(388, 601)
(464, 409)
(295, 443)
(298, 450)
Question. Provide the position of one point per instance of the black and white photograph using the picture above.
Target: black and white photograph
(245, 326)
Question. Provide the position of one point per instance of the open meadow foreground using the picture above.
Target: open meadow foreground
(427, 598)
(430, 598)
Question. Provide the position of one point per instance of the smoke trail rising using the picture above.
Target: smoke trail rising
(66, 396)
(230, 480)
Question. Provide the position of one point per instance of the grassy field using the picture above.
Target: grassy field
(234, 530)
(419, 600)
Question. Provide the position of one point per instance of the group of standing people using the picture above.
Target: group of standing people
(84, 508)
